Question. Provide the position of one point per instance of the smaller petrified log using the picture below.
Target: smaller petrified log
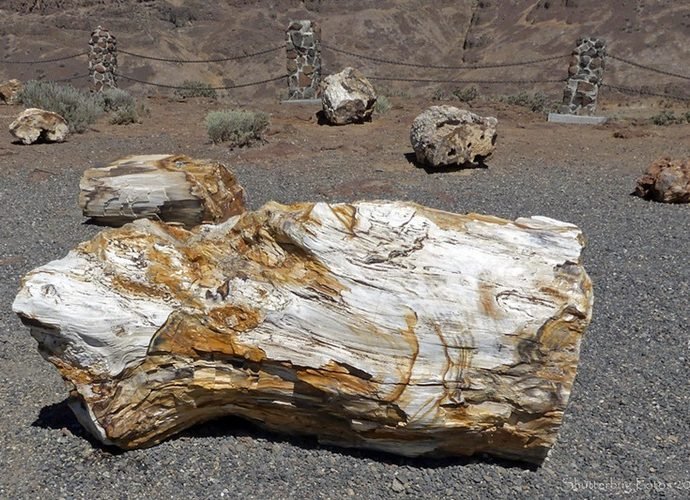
(9, 91)
(170, 188)
(33, 125)
(665, 180)
(348, 97)
(446, 135)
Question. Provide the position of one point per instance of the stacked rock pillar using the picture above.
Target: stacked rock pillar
(304, 60)
(585, 74)
(102, 59)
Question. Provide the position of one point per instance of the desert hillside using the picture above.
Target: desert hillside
(443, 32)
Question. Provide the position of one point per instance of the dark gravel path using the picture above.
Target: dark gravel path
(627, 426)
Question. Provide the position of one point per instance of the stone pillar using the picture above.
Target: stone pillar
(102, 59)
(304, 60)
(585, 74)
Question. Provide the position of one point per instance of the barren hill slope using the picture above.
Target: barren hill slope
(443, 32)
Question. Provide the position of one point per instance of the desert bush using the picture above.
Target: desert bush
(126, 115)
(114, 99)
(382, 106)
(669, 118)
(78, 107)
(537, 102)
(468, 94)
(239, 128)
(122, 106)
(195, 88)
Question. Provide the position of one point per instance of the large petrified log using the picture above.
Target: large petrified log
(383, 325)
(170, 188)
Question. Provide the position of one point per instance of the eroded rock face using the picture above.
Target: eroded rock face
(382, 325)
(170, 188)
(34, 125)
(666, 180)
(9, 91)
(446, 135)
(348, 97)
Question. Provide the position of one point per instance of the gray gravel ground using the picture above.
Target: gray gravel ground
(627, 426)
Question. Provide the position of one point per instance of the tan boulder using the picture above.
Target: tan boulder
(446, 135)
(9, 91)
(348, 97)
(665, 180)
(34, 125)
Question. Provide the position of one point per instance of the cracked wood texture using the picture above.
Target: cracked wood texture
(170, 188)
(381, 325)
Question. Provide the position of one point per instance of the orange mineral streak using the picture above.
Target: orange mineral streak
(194, 337)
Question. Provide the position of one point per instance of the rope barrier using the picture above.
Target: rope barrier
(645, 92)
(56, 59)
(648, 68)
(194, 61)
(228, 87)
(433, 66)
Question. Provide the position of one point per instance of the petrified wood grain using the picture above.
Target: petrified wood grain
(383, 325)
(170, 188)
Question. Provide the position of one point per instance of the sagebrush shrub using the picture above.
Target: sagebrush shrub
(382, 105)
(239, 128)
(194, 88)
(115, 99)
(667, 117)
(537, 102)
(78, 107)
(468, 94)
(122, 106)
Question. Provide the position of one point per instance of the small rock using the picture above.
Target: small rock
(348, 97)
(9, 91)
(34, 124)
(398, 486)
(446, 135)
(666, 181)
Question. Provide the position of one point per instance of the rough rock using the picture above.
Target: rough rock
(382, 325)
(446, 135)
(9, 91)
(348, 97)
(170, 188)
(665, 180)
(33, 125)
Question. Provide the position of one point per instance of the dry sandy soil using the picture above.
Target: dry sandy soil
(626, 427)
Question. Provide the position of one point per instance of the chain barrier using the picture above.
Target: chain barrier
(40, 61)
(227, 87)
(431, 80)
(631, 90)
(648, 68)
(434, 66)
(195, 61)
(69, 79)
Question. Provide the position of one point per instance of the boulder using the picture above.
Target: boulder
(34, 125)
(665, 180)
(9, 91)
(170, 188)
(446, 135)
(348, 97)
(381, 325)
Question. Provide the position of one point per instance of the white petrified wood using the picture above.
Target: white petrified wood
(382, 325)
(170, 188)
(34, 125)
(348, 97)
